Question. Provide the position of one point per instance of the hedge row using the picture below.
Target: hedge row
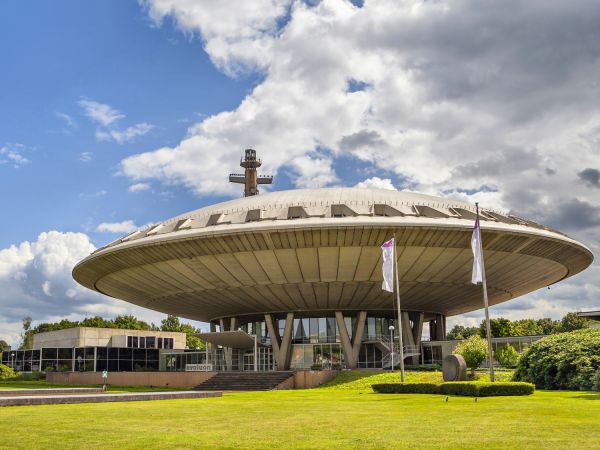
(468, 388)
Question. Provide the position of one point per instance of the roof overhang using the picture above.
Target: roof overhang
(231, 339)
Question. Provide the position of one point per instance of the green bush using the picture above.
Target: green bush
(563, 361)
(507, 388)
(30, 376)
(407, 388)
(316, 367)
(507, 356)
(474, 350)
(6, 372)
(467, 388)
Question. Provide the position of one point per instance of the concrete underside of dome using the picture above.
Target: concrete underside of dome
(319, 266)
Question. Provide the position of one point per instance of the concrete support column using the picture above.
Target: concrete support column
(440, 328)
(282, 345)
(351, 348)
(417, 319)
(437, 328)
(213, 327)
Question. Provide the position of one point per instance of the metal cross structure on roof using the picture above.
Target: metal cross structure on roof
(250, 178)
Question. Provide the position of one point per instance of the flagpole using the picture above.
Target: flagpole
(485, 300)
(401, 345)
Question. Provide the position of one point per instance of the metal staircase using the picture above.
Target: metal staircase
(384, 344)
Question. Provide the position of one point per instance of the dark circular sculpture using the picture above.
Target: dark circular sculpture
(454, 368)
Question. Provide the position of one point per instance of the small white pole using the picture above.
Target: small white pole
(255, 354)
(401, 344)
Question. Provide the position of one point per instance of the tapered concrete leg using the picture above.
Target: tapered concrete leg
(213, 327)
(440, 327)
(351, 348)
(282, 345)
(417, 319)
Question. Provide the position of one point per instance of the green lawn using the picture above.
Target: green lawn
(317, 418)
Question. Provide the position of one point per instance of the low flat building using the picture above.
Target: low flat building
(109, 337)
(84, 349)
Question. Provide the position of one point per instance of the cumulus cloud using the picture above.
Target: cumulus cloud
(36, 281)
(126, 226)
(377, 183)
(497, 104)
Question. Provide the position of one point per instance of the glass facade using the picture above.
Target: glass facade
(82, 359)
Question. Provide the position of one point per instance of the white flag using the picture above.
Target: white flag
(477, 276)
(388, 265)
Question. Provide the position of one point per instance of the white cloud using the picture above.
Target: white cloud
(36, 281)
(100, 113)
(377, 183)
(69, 121)
(127, 226)
(139, 187)
(105, 116)
(126, 135)
(496, 104)
(12, 153)
(313, 171)
(85, 156)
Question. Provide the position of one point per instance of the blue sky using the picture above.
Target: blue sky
(115, 114)
(108, 52)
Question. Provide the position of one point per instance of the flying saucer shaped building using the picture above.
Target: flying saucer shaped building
(301, 268)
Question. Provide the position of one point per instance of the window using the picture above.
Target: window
(150, 342)
(129, 341)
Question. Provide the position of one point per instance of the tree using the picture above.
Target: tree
(130, 323)
(548, 326)
(571, 322)
(507, 356)
(458, 332)
(172, 323)
(3, 344)
(473, 350)
(27, 334)
(500, 327)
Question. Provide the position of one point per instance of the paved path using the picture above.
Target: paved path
(46, 391)
(19, 400)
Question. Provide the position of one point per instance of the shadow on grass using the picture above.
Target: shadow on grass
(589, 396)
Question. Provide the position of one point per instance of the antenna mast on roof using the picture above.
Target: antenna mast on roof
(250, 179)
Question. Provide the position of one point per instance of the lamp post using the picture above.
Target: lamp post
(13, 360)
(391, 328)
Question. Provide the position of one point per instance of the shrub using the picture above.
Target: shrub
(316, 367)
(6, 372)
(407, 388)
(474, 350)
(562, 361)
(423, 367)
(507, 388)
(467, 388)
(30, 376)
(507, 356)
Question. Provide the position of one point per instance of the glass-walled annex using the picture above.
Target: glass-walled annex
(83, 359)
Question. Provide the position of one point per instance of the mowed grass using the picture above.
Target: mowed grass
(316, 418)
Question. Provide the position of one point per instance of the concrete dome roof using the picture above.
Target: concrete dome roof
(318, 250)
